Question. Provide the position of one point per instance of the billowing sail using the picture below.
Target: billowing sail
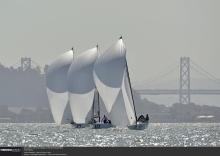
(56, 82)
(81, 85)
(111, 79)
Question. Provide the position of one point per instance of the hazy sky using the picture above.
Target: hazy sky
(156, 33)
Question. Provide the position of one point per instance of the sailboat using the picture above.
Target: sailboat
(96, 111)
(112, 80)
(81, 87)
(56, 83)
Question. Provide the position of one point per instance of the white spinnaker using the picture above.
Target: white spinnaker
(81, 85)
(56, 83)
(111, 80)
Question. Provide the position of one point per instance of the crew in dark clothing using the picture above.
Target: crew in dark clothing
(147, 117)
(104, 119)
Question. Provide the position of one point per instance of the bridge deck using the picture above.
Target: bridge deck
(163, 91)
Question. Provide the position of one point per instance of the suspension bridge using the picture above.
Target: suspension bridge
(183, 78)
(26, 63)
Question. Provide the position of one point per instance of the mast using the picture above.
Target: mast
(73, 52)
(131, 91)
(98, 93)
(130, 87)
(93, 108)
(98, 106)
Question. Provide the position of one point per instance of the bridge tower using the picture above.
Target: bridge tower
(184, 96)
(25, 63)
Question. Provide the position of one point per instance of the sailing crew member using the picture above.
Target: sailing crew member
(147, 117)
(104, 119)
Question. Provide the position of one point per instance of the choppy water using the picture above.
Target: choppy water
(157, 134)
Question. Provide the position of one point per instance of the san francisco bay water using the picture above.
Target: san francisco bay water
(156, 134)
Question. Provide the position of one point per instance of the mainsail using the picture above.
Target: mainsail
(56, 82)
(96, 105)
(81, 85)
(99, 109)
(111, 79)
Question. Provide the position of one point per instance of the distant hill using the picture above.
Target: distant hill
(22, 88)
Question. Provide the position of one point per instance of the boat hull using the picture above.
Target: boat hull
(101, 125)
(139, 126)
(81, 125)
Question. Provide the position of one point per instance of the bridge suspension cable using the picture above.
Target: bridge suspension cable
(201, 80)
(16, 64)
(37, 64)
(170, 79)
(204, 70)
(30, 64)
(157, 79)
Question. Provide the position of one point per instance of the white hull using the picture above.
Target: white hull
(139, 126)
(81, 125)
(99, 125)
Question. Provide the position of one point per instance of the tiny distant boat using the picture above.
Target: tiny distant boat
(112, 80)
(56, 83)
(81, 87)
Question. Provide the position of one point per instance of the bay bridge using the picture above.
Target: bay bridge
(183, 78)
(26, 63)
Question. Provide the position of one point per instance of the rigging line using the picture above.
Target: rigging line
(99, 106)
(131, 90)
(132, 70)
(206, 77)
(205, 71)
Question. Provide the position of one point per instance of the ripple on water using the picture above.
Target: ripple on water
(156, 135)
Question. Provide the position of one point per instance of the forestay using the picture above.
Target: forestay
(110, 76)
(81, 85)
(56, 83)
